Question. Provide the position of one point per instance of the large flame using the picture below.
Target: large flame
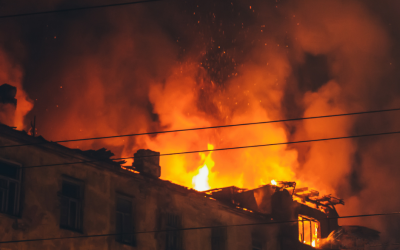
(200, 181)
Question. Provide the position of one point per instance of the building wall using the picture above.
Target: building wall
(153, 199)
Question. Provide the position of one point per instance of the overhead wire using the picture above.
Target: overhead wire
(209, 150)
(76, 9)
(190, 152)
(204, 128)
(379, 245)
(217, 149)
(194, 228)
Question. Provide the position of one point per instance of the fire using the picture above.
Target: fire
(200, 181)
(315, 236)
(182, 92)
(273, 182)
(308, 231)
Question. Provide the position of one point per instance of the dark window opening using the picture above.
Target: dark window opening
(71, 205)
(256, 243)
(10, 178)
(124, 221)
(173, 240)
(218, 238)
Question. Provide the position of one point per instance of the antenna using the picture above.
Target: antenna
(33, 126)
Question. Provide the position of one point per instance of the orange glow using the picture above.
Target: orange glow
(130, 170)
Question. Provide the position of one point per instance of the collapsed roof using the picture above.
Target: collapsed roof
(260, 199)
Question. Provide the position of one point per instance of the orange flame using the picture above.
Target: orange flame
(200, 181)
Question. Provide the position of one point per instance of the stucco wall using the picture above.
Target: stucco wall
(40, 206)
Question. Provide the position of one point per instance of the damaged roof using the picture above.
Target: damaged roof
(255, 202)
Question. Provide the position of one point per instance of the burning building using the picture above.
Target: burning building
(49, 201)
(283, 203)
(173, 65)
(169, 65)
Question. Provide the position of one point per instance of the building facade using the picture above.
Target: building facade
(47, 202)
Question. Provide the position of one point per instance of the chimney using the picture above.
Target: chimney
(147, 162)
(8, 104)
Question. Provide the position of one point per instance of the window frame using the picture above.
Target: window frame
(79, 201)
(17, 196)
(120, 195)
(219, 238)
(173, 223)
(257, 243)
(304, 218)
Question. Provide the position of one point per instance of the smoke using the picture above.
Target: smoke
(361, 67)
(174, 65)
(12, 74)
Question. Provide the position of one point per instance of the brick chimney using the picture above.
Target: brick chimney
(8, 104)
(147, 162)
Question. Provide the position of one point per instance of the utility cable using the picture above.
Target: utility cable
(367, 246)
(204, 128)
(76, 9)
(194, 228)
(380, 245)
(219, 149)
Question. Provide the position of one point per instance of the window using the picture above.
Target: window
(308, 230)
(218, 238)
(71, 204)
(173, 240)
(10, 176)
(124, 220)
(256, 242)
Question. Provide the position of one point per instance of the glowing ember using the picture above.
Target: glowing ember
(200, 181)
(273, 182)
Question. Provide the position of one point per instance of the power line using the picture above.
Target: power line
(204, 128)
(369, 246)
(380, 245)
(220, 149)
(76, 9)
(196, 228)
